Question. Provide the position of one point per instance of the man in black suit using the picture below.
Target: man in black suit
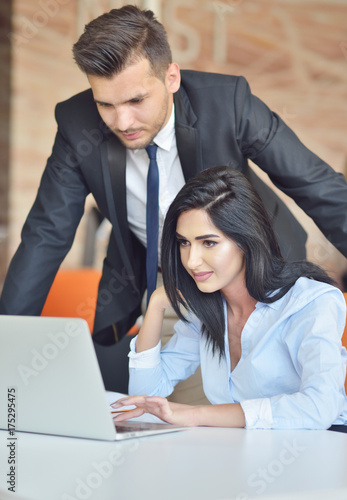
(198, 120)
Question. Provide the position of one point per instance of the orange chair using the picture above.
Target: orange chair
(344, 341)
(73, 295)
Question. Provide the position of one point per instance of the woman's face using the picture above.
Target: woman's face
(214, 261)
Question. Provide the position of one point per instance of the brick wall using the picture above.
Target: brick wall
(293, 53)
(5, 95)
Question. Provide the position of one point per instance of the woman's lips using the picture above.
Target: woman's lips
(203, 276)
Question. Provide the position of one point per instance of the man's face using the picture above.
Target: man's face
(134, 103)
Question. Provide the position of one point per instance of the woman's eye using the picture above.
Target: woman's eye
(183, 243)
(209, 243)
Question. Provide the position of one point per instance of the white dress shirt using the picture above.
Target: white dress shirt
(292, 368)
(171, 180)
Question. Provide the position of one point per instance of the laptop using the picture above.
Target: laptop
(50, 382)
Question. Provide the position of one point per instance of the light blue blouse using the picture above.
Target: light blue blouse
(292, 369)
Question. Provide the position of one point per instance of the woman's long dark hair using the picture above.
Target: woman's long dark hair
(235, 208)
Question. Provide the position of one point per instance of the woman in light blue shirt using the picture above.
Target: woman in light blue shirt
(266, 333)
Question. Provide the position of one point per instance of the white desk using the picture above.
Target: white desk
(197, 464)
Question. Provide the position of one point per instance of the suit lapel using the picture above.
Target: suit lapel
(116, 156)
(113, 159)
(187, 137)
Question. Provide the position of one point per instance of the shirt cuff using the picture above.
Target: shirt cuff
(145, 359)
(258, 413)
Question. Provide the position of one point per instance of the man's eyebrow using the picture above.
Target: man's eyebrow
(97, 101)
(202, 237)
(133, 98)
(138, 96)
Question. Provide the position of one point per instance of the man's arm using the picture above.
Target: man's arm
(317, 188)
(47, 234)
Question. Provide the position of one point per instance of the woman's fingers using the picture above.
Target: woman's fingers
(137, 412)
(128, 401)
(172, 413)
(144, 404)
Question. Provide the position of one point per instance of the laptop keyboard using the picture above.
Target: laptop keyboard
(137, 426)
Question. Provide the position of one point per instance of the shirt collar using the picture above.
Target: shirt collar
(272, 305)
(165, 136)
(260, 305)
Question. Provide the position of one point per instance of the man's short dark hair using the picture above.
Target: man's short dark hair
(119, 38)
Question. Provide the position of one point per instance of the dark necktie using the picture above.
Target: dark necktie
(152, 220)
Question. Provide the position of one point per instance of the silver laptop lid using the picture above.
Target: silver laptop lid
(49, 372)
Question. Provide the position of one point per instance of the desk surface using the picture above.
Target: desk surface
(199, 463)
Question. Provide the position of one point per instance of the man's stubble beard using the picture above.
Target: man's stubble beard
(156, 129)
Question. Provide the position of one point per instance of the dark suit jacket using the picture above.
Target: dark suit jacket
(218, 122)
